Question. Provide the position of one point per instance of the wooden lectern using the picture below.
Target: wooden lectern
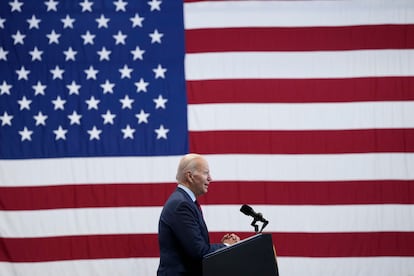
(250, 257)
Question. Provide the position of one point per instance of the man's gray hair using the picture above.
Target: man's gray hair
(187, 164)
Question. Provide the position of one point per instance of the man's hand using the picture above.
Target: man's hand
(230, 239)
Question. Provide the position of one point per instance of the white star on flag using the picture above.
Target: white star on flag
(3, 54)
(68, 22)
(59, 103)
(104, 54)
(102, 21)
(142, 117)
(126, 72)
(155, 5)
(70, 54)
(26, 134)
(33, 22)
(161, 132)
(160, 102)
(57, 73)
(16, 6)
(88, 38)
(128, 132)
(73, 88)
(40, 119)
(74, 118)
(53, 37)
(18, 38)
(159, 72)
(138, 53)
(94, 133)
(92, 103)
(39, 88)
(91, 73)
(86, 6)
(24, 103)
(60, 133)
(108, 87)
(108, 117)
(5, 88)
(141, 85)
(22, 73)
(51, 5)
(126, 102)
(119, 38)
(36, 54)
(136, 20)
(120, 5)
(156, 36)
(6, 119)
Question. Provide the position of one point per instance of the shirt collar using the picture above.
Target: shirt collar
(188, 191)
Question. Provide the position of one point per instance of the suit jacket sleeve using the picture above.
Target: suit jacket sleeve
(191, 231)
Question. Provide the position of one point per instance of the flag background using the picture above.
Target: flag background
(304, 110)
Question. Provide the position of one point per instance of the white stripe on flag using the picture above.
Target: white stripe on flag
(318, 167)
(290, 13)
(315, 116)
(103, 267)
(378, 266)
(92, 221)
(363, 266)
(80, 221)
(292, 65)
(307, 218)
(62, 171)
(249, 167)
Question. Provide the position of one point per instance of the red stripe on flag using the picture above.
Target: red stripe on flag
(84, 196)
(311, 193)
(146, 245)
(258, 192)
(300, 90)
(78, 247)
(342, 244)
(302, 142)
(300, 38)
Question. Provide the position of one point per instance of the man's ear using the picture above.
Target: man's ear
(190, 177)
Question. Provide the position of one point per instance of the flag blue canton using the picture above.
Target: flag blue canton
(92, 78)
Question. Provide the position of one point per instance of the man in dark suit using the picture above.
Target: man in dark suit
(182, 233)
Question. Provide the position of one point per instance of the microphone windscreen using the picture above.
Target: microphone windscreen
(246, 209)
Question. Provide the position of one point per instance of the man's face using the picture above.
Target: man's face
(200, 178)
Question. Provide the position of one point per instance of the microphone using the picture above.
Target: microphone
(248, 211)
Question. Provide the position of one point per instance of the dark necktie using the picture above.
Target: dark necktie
(199, 207)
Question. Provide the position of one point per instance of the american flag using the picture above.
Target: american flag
(304, 110)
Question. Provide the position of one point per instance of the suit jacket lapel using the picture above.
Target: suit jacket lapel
(203, 225)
